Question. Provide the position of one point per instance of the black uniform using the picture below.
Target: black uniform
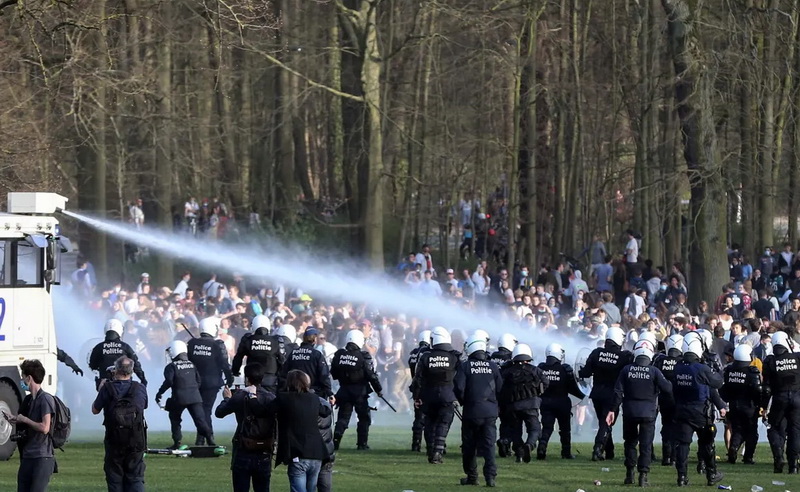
(637, 389)
(556, 405)
(66, 359)
(520, 398)
(418, 426)
(666, 406)
(105, 353)
(182, 376)
(692, 384)
(210, 358)
(355, 371)
(311, 361)
(742, 390)
(433, 387)
(782, 384)
(477, 385)
(265, 349)
(605, 365)
(501, 357)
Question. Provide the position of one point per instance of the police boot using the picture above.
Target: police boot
(526, 453)
(415, 446)
(629, 476)
(793, 468)
(643, 482)
(210, 440)
(490, 482)
(541, 452)
(362, 447)
(597, 454)
(436, 458)
(469, 481)
(503, 448)
(701, 467)
(683, 481)
(200, 441)
(666, 454)
(732, 456)
(778, 467)
(175, 445)
(337, 440)
(714, 477)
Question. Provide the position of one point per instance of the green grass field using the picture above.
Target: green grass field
(390, 467)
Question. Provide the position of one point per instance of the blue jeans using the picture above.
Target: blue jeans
(303, 475)
(246, 468)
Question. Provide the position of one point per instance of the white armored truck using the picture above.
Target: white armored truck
(30, 264)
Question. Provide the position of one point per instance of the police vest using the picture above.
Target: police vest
(263, 350)
(501, 356)
(741, 384)
(414, 356)
(520, 382)
(559, 380)
(480, 382)
(666, 365)
(349, 367)
(607, 365)
(185, 388)
(439, 367)
(203, 354)
(685, 386)
(785, 372)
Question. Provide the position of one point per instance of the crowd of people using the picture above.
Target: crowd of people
(649, 353)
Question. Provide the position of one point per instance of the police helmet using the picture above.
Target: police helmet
(475, 343)
(177, 348)
(114, 325)
(781, 339)
(287, 331)
(483, 334)
(260, 321)
(692, 345)
(440, 335)
(630, 339)
(355, 337)
(649, 336)
(616, 335)
(209, 326)
(507, 341)
(424, 337)
(555, 350)
(706, 337)
(644, 348)
(743, 353)
(675, 342)
(522, 353)
(326, 349)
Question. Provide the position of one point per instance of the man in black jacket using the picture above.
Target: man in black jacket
(354, 370)
(105, 353)
(262, 348)
(523, 386)
(433, 391)
(605, 364)
(637, 390)
(418, 426)
(210, 358)
(250, 462)
(311, 361)
(182, 377)
(477, 385)
(556, 405)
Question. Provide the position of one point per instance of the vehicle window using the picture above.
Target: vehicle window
(5, 262)
(29, 265)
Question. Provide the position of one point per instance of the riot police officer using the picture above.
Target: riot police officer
(262, 348)
(523, 386)
(505, 346)
(433, 391)
(605, 364)
(782, 385)
(666, 401)
(182, 377)
(105, 353)
(694, 413)
(354, 369)
(210, 358)
(286, 335)
(312, 362)
(418, 426)
(741, 388)
(637, 389)
(556, 405)
(477, 385)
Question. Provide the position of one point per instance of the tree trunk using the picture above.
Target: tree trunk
(708, 260)
(164, 137)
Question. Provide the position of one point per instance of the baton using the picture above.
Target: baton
(458, 413)
(390, 405)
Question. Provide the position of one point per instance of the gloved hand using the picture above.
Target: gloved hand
(158, 399)
(380, 395)
(236, 374)
(229, 382)
(144, 382)
(77, 370)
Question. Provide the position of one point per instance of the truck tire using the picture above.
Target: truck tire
(9, 403)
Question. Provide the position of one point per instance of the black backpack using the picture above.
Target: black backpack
(256, 433)
(125, 425)
(61, 425)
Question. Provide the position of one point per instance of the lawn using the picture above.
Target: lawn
(390, 467)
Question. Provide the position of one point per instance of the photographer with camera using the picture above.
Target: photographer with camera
(123, 402)
(254, 438)
(37, 462)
